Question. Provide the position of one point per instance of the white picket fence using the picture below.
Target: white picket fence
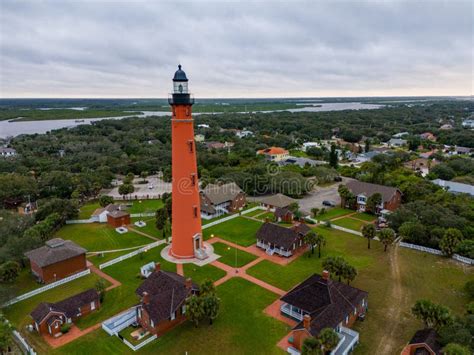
(232, 216)
(80, 221)
(29, 350)
(47, 287)
(141, 345)
(132, 254)
(144, 214)
(335, 226)
(456, 257)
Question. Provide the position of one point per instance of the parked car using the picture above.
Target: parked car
(329, 203)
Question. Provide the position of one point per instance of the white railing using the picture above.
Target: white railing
(144, 214)
(23, 342)
(235, 215)
(141, 345)
(456, 257)
(47, 287)
(347, 230)
(119, 322)
(286, 308)
(132, 254)
(81, 221)
(355, 340)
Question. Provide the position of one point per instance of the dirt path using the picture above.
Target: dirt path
(388, 342)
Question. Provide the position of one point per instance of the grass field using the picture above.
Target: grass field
(150, 227)
(18, 314)
(232, 256)
(334, 212)
(422, 276)
(255, 213)
(86, 210)
(264, 216)
(142, 206)
(241, 328)
(349, 223)
(365, 217)
(199, 274)
(99, 236)
(239, 230)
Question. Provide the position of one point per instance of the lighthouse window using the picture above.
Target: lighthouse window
(191, 146)
(195, 211)
(193, 179)
(187, 111)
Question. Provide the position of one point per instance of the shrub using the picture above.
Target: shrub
(65, 328)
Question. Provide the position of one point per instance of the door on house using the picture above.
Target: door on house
(197, 243)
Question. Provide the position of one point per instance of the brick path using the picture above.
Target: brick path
(97, 271)
(142, 233)
(180, 269)
(72, 335)
(273, 310)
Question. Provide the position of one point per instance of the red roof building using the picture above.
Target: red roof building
(274, 153)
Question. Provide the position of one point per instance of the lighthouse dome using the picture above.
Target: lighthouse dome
(180, 75)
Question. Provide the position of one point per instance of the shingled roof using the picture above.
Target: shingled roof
(118, 214)
(429, 337)
(281, 212)
(167, 292)
(280, 236)
(68, 306)
(367, 189)
(218, 194)
(278, 200)
(328, 302)
(54, 251)
(109, 208)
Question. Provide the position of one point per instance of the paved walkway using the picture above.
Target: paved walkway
(273, 310)
(72, 335)
(130, 227)
(180, 269)
(97, 271)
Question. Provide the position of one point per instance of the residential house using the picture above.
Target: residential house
(217, 200)
(454, 187)
(424, 342)
(318, 303)
(218, 145)
(397, 142)
(307, 145)
(100, 214)
(421, 165)
(400, 135)
(163, 298)
(391, 196)
(118, 218)
(199, 138)
(203, 125)
(283, 214)
(49, 317)
(301, 162)
(274, 201)
(243, 133)
(275, 154)
(427, 155)
(456, 150)
(428, 136)
(7, 152)
(56, 260)
(283, 241)
(468, 123)
(368, 156)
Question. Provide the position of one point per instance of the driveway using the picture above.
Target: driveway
(316, 197)
(158, 187)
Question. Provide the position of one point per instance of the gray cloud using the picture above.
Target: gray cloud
(236, 49)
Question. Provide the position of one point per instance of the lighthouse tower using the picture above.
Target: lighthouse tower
(186, 214)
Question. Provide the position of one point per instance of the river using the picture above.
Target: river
(12, 128)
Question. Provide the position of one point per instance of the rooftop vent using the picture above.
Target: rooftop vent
(55, 242)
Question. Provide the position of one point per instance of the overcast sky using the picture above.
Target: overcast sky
(236, 49)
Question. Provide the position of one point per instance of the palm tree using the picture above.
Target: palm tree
(311, 239)
(387, 237)
(329, 339)
(311, 346)
(194, 309)
(349, 272)
(368, 231)
(320, 241)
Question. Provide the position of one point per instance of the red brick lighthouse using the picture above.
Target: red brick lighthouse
(186, 214)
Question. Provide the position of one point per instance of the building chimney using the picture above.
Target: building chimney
(157, 267)
(188, 283)
(325, 275)
(145, 298)
(307, 321)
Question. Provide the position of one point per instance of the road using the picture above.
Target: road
(143, 190)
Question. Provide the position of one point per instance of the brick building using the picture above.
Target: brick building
(318, 303)
(283, 241)
(163, 298)
(391, 196)
(221, 199)
(118, 218)
(49, 317)
(56, 260)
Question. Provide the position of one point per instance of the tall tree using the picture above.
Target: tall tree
(368, 231)
(387, 237)
(161, 217)
(320, 242)
(105, 200)
(456, 349)
(211, 304)
(311, 346)
(5, 335)
(451, 239)
(432, 314)
(373, 201)
(349, 273)
(194, 309)
(333, 158)
(310, 239)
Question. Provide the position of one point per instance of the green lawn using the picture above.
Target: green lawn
(365, 216)
(241, 328)
(207, 221)
(100, 236)
(239, 230)
(255, 213)
(87, 209)
(422, 276)
(349, 223)
(334, 212)
(18, 313)
(142, 206)
(232, 256)
(25, 282)
(264, 216)
(98, 259)
(150, 227)
(199, 274)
